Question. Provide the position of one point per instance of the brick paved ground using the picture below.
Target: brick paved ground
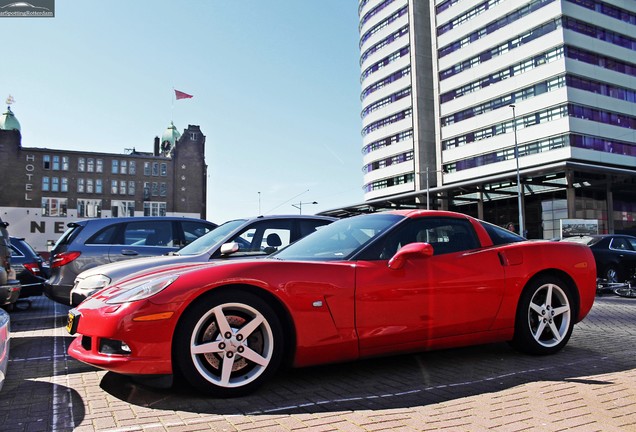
(589, 386)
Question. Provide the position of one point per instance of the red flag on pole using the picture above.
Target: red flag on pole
(181, 95)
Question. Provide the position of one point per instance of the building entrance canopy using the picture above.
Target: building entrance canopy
(587, 192)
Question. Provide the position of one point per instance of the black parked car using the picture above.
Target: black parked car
(29, 267)
(615, 255)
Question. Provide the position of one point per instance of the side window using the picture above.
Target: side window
(263, 238)
(193, 230)
(620, 244)
(446, 235)
(149, 233)
(274, 239)
(453, 235)
(106, 236)
(499, 235)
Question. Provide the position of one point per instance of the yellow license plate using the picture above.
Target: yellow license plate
(71, 321)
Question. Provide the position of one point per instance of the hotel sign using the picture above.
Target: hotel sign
(28, 186)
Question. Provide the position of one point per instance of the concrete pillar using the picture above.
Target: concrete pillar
(570, 194)
(609, 204)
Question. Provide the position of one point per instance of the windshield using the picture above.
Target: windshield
(68, 236)
(339, 240)
(205, 242)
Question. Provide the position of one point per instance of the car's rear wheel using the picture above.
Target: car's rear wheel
(228, 343)
(545, 316)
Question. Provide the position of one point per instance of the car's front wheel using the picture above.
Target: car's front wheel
(228, 343)
(545, 316)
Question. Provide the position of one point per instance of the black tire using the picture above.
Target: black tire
(545, 316)
(217, 364)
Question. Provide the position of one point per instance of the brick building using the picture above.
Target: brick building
(43, 189)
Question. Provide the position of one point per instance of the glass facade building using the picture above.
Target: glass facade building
(456, 93)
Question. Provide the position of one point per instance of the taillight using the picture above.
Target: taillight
(33, 268)
(63, 258)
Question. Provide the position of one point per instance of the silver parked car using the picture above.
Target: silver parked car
(240, 238)
(92, 242)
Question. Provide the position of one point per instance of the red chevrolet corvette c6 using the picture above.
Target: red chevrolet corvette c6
(369, 285)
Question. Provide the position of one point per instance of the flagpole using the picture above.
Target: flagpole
(172, 110)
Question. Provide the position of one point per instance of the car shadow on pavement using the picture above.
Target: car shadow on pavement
(39, 314)
(383, 383)
(29, 405)
(37, 394)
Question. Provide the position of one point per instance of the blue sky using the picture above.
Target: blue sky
(275, 84)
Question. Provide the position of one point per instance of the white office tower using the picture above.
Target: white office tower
(453, 88)
(398, 125)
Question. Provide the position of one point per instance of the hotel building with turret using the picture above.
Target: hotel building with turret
(44, 189)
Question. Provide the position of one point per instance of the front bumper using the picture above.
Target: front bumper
(103, 329)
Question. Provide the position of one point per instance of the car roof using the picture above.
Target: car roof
(110, 220)
(601, 236)
(136, 218)
(288, 216)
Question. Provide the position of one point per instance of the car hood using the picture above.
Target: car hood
(155, 272)
(120, 269)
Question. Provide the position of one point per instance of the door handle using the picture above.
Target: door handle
(129, 252)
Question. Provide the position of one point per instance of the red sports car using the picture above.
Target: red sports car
(364, 286)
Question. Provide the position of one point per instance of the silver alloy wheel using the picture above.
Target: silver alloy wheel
(549, 315)
(612, 275)
(231, 345)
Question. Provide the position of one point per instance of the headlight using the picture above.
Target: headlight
(144, 290)
(93, 283)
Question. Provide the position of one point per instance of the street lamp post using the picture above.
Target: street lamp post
(299, 206)
(428, 201)
(519, 190)
(428, 189)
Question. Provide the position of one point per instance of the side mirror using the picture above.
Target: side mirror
(411, 250)
(229, 248)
